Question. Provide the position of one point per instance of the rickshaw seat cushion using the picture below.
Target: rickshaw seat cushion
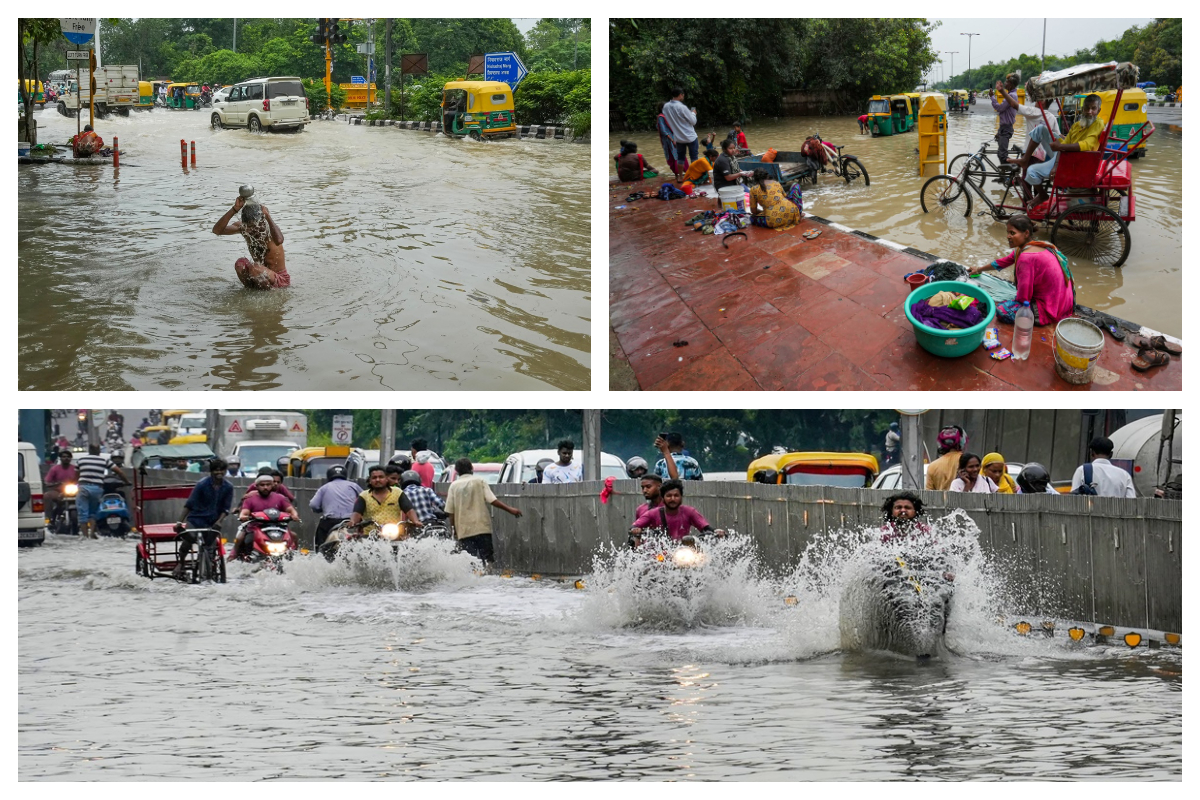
(159, 531)
(1078, 170)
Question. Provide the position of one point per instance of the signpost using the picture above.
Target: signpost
(411, 64)
(343, 428)
(78, 55)
(357, 79)
(504, 67)
(81, 30)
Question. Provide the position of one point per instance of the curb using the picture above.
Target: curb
(523, 131)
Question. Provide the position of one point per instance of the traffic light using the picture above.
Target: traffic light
(335, 34)
(322, 31)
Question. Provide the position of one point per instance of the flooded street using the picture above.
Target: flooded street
(417, 262)
(367, 671)
(1146, 290)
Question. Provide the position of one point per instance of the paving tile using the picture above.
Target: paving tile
(832, 374)
(652, 366)
(777, 241)
(824, 312)
(861, 336)
(820, 265)
(716, 372)
(652, 334)
(723, 309)
(653, 300)
(783, 357)
(752, 328)
(850, 279)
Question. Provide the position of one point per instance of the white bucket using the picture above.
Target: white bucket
(733, 198)
(1077, 345)
(22, 148)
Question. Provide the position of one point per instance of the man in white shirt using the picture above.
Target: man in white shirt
(683, 129)
(563, 471)
(1107, 480)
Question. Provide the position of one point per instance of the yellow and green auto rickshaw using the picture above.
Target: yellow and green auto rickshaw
(850, 470)
(39, 96)
(1131, 116)
(145, 94)
(914, 107)
(897, 116)
(191, 95)
(479, 109)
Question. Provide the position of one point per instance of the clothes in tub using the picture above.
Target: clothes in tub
(945, 318)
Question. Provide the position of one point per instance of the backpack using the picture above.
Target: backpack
(1087, 487)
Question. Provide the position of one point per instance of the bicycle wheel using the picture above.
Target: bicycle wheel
(973, 171)
(852, 170)
(945, 196)
(1094, 232)
(203, 571)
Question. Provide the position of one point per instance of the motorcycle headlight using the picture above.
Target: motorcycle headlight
(687, 557)
(390, 531)
(70, 490)
(276, 548)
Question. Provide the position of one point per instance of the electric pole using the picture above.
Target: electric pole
(970, 38)
(387, 65)
(952, 52)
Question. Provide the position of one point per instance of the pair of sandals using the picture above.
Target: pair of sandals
(635, 197)
(1155, 351)
(811, 234)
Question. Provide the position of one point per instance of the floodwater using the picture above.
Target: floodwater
(1145, 290)
(417, 262)
(365, 670)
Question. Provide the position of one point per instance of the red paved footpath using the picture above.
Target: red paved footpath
(775, 311)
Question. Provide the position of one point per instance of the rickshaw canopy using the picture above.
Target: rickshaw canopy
(823, 466)
(148, 454)
(484, 96)
(1082, 79)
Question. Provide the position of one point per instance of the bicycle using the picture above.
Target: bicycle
(982, 167)
(848, 168)
(950, 195)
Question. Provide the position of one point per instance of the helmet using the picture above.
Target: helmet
(543, 463)
(635, 463)
(952, 438)
(409, 478)
(1033, 478)
(336, 471)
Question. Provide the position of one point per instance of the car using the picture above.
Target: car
(490, 472)
(439, 464)
(890, 477)
(522, 467)
(263, 104)
(31, 514)
(725, 476)
(221, 95)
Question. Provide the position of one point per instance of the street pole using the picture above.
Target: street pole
(370, 59)
(952, 52)
(591, 445)
(387, 66)
(235, 34)
(387, 434)
(970, 38)
(1043, 44)
(93, 432)
(910, 452)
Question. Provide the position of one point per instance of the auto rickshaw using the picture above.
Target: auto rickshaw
(145, 94)
(312, 462)
(914, 106)
(191, 95)
(39, 96)
(156, 435)
(479, 109)
(897, 116)
(1130, 116)
(175, 456)
(849, 470)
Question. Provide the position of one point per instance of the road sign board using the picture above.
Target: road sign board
(78, 30)
(357, 79)
(78, 55)
(505, 67)
(343, 428)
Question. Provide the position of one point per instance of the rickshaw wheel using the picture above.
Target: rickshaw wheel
(139, 566)
(945, 196)
(1094, 232)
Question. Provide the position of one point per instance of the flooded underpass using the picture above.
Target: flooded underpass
(1145, 290)
(367, 670)
(417, 261)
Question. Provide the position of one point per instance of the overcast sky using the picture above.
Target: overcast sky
(1002, 39)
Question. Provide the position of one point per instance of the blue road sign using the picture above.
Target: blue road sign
(505, 67)
(357, 79)
(78, 30)
(372, 70)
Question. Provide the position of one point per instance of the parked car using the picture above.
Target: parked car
(31, 514)
(522, 467)
(490, 472)
(890, 477)
(263, 104)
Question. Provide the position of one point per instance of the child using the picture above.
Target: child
(739, 137)
(630, 164)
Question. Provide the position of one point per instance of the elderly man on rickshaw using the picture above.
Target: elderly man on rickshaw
(1084, 136)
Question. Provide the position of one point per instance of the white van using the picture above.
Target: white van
(263, 104)
(522, 467)
(31, 515)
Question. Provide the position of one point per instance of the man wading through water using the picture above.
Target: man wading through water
(265, 268)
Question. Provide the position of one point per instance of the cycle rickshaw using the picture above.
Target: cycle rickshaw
(1091, 200)
(158, 548)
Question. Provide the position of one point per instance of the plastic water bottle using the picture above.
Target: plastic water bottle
(1022, 332)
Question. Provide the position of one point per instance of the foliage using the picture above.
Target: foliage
(422, 97)
(559, 45)
(731, 69)
(723, 440)
(549, 97)
(580, 124)
(314, 90)
(32, 33)
(1156, 49)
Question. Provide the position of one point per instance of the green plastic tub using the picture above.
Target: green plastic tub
(949, 344)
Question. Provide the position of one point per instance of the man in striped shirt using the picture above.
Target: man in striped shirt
(91, 487)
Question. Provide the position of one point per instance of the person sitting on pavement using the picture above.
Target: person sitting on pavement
(1042, 276)
(942, 471)
(630, 164)
(334, 501)
(1106, 480)
(675, 464)
(697, 173)
(677, 519)
(87, 143)
(636, 467)
(381, 503)
(263, 498)
(770, 207)
(970, 479)
(993, 466)
(563, 471)
(206, 507)
(425, 501)
(724, 172)
(1084, 136)
(1034, 479)
(903, 514)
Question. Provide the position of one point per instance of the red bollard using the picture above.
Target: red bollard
(193, 154)
(116, 152)
(183, 153)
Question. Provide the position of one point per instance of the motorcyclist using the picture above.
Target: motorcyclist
(425, 501)
(651, 490)
(1035, 479)
(673, 515)
(334, 501)
(636, 467)
(235, 467)
(263, 498)
(209, 503)
(381, 503)
(61, 473)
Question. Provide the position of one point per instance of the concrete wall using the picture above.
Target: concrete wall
(1091, 559)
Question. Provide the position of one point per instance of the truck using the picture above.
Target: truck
(257, 438)
(116, 92)
(1151, 450)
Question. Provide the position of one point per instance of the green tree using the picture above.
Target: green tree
(32, 33)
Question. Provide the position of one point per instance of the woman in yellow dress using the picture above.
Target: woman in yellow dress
(994, 466)
(770, 207)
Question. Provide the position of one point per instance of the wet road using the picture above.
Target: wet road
(368, 672)
(1146, 290)
(417, 262)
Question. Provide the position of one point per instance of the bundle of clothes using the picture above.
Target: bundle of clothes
(948, 311)
(723, 222)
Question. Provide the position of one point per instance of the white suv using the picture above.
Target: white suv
(263, 104)
(31, 518)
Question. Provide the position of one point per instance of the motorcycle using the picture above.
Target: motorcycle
(267, 539)
(365, 531)
(112, 519)
(901, 604)
(206, 99)
(66, 515)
